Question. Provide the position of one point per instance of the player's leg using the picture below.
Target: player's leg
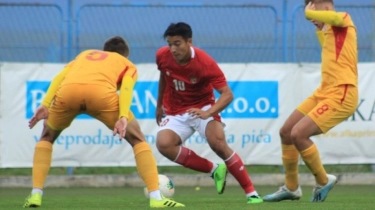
(144, 158)
(172, 132)
(41, 165)
(290, 155)
(146, 165)
(212, 129)
(335, 107)
(60, 117)
(145, 161)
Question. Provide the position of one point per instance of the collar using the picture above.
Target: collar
(192, 52)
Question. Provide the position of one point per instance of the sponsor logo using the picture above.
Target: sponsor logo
(258, 99)
(253, 100)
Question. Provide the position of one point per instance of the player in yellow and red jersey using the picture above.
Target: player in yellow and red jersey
(89, 85)
(332, 102)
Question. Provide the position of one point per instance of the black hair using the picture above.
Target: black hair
(179, 29)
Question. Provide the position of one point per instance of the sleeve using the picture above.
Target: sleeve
(159, 59)
(340, 19)
(126, 91)
(48, 98)
(216, 76)
(320, 35)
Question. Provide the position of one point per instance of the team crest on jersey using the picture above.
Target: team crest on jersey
(193, 80)
(167, 73)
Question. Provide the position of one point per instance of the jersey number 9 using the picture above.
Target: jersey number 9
(97, 56)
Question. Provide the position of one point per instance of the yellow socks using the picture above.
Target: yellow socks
(146, 165)
(41, 163)
(290, 157)
(312, 160)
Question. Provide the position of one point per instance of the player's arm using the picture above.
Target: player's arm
(48, 98)
(126, 91)
(159, 105)
(161, 91)
(320, 35)
(226, 96)
(329, 17)
(219, 82)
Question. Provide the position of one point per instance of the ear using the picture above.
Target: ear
(190, 41)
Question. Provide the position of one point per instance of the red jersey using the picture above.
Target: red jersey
(191, 85)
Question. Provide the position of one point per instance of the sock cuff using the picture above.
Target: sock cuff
(289, 151)
(288, 147)
(141, 147)
(182, 155)
(312, 149)
(44, 144)
(235, 158)
(230, 157)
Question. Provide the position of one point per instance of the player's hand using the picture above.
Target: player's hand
(159, 115)
(198, 113)
(310, 6)
(120, 127)
(319, 26)
(40, 114)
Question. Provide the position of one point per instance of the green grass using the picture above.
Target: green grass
(341, 197)
(253, 169)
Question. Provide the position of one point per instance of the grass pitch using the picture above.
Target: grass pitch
(341, 197)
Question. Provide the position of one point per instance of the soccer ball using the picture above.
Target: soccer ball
(166, 187)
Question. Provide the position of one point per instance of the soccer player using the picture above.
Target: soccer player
(332, 102)
(188, 77)
(89, 85)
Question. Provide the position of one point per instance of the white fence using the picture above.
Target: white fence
(265, 94)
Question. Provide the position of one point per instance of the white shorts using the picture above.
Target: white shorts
(185, 125)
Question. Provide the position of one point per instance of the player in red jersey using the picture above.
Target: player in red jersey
(188, 77)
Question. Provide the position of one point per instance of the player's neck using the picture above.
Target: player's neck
(185, 60)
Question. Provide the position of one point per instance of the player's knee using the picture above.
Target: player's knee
(134, 137)
(167, 149)
(49, 135)
(285, 133)
(163, 145)
(296, 135)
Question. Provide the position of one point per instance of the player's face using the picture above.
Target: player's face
(180, 48)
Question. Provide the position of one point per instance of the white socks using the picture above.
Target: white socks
(155, 195)
(214, 168)
(36, 190)
(251, 194)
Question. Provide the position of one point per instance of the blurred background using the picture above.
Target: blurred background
(229, 30)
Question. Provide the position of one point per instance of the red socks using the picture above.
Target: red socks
(189, 159)
(238, 170)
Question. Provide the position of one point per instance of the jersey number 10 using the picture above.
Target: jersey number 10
(179, 85)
